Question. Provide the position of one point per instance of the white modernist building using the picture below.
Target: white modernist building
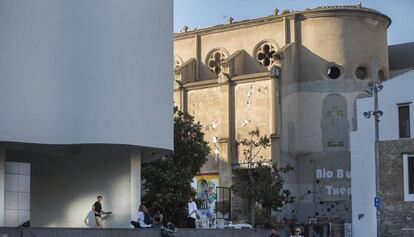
(85, 97)
(395, 100)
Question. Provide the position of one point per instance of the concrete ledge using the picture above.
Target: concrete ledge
(82, 232)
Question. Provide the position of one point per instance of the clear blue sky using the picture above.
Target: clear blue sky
(203, 13)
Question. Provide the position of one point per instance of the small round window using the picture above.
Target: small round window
(333, 72)
(361, 73)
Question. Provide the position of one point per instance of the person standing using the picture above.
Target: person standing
(192, 216)
(97, 209)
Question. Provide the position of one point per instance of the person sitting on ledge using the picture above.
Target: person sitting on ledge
(140, 223)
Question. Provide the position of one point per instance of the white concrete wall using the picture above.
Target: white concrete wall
(136, 158)
(363, 175)
(86, 71)
(2, 184)
(397, 90)
(64, 188)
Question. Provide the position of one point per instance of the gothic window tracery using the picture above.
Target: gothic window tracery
(177, 61)
(214, 60)
(264, 52)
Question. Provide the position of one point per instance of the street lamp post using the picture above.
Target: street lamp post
(373, 89)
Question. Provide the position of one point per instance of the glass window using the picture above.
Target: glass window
(404, 120)
(408, 164)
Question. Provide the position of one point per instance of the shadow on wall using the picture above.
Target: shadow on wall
(249, 66)
(312, 66)
(65, 187)
(90, 220)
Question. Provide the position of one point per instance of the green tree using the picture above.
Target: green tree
(167, 181)
(259, 182)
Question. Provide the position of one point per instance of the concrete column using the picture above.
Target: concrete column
(135, 183)
(198, 55)
(286, 26)
(273, 107)
(293, 30)
(2, 184)
(226, 133)
(275, 116)
(183, 100)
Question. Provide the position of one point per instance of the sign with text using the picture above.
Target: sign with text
(377, 202)
(333, 184)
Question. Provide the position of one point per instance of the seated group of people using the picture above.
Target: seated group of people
(146, 220)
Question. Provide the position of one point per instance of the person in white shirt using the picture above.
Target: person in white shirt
(192, 209)
(141, 217)
(297, 232)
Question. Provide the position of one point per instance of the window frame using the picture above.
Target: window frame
(407, 196)
(407, 104)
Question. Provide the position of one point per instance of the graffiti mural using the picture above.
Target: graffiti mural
(205, 186)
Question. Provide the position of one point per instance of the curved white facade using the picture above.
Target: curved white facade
(86, 71)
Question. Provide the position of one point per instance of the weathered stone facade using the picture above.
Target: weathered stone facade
(324, 54)
(397, 215)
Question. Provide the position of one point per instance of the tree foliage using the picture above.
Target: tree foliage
(259, 182)
(168, 180)
(268, 185)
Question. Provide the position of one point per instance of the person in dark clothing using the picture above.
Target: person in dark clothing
(97, 209)
(156, 214)
(158, 218)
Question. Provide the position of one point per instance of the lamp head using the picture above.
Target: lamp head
(367, 114)
(378, 113)
(380, 87)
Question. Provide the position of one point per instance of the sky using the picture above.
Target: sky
(204, 13)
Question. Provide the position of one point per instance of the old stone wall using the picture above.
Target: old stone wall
(397, 216)
(251, 112)
(204, 105)
(325, 56)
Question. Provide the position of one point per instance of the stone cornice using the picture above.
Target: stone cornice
(261, 76)
(347, 10)
(344, 12)
(227, 27)
(254, 76)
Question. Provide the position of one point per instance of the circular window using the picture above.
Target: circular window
(333, 72)
(361, 73)
(381, 75)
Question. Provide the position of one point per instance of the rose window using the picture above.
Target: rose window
(215, 60)
(265, 54)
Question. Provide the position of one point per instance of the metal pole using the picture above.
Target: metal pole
(377, 190)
